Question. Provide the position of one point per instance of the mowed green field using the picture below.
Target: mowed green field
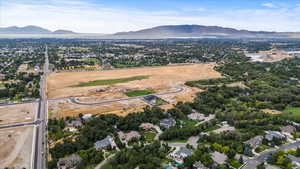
(293, 112)
(136, 93)
(110, 81)
(1, 85)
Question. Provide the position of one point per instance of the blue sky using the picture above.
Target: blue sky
(109, 16)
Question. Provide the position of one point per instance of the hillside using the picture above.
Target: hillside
(31, 30)
(194, 31)
(61, 31)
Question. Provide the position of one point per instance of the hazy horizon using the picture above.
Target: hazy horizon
(93, 16)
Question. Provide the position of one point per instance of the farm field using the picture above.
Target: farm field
(159, 80)
(16, 147)
(11, 114)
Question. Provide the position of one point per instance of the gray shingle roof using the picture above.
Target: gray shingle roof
(103, 143)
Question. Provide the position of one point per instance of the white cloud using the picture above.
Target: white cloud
(81, 16)
(269, 5)
(194, 9)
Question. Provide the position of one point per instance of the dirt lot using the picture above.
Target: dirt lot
(161, 78)
(18, 113)
(64, 108)
(16, 147)
(59, 109)
(269, 111)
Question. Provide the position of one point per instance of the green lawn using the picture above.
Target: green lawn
(261, 148)
(1, 85)
(189, 123)
(149, 136)
(293, 112)
(159, 101)
(136, 93)
(177, 141)
(92, 60)
(110, 81)
(235, 163)
(212, 128)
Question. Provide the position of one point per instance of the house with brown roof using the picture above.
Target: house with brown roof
(147, 126)
(127, 137)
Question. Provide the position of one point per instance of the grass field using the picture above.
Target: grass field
(136, 93)
(110, 81)
(1, 85)
(212, 128)
(293, 112)
(177, 141)
(149, 136)
(189, 123)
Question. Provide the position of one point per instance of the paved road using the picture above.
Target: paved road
(19, 125)
(252, 163)
(23, 102)
(75, 101)
(41, 132)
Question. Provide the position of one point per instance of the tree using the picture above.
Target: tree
(261, 166)
(241, 160)
(298, 152)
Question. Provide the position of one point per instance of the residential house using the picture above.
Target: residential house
(126, 137)
(288, 130)
(36, 68)
(223, 123)
(274, 134)
(199, 165)
(181, 154)
(87, 117)
(218, 157)
(255, 141)
(147, 126)
(71, 162)
(167, 123)
(196, 116)
(72, 126)
(107, 143)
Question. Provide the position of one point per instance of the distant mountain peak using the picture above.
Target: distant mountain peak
(62, 31)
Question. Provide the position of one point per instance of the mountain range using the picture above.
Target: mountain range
(168, 31)
(31, 30)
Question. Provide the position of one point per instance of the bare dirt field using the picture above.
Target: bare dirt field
(16, 147)
(60, 109)
(161, 78)
(18, 113)
(269, 111)
(64, 108)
